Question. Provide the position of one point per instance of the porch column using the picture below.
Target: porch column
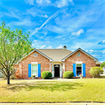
(52, 70)
(63, 67)
(61, 70)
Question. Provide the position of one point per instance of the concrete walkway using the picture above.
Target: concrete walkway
(52, 103)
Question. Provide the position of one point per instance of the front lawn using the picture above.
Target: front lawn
(71, 90)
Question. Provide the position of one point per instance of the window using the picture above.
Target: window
(78, 69)
(78, 54)
(35, 55)
(35, 69)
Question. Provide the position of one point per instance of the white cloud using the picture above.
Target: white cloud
(46, 16)
(62, 3)
(43, 1)
(33, 45)
(77, 33)
(86, 50)
(37, 29)
(24, 22)
(103, 41)
(35, 41)
(30, 2)
(14, 13)
(56, 29)
(91, 50)
(49, 47)
(59, 47)
(103, 51)
(36, 12)
(42, 46)
(102, 61)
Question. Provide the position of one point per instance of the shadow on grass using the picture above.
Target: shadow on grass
(46, 85)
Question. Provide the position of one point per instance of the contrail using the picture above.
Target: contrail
(37, 29)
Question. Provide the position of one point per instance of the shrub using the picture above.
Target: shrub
(46, 74)
(102, 65)
(95, 71)
(68, 74)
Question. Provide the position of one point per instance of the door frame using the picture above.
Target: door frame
(59, 70)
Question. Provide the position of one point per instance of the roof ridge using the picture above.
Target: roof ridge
(54, 49)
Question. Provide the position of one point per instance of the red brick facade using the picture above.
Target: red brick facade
(83, 58)
(22, 68)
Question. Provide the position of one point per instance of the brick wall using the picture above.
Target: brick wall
(22, 70)
(84, 58)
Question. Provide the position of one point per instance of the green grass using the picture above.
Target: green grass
(72, 90)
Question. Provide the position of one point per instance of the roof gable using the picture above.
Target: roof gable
(79, 49)
(55, 54)
(38, 52)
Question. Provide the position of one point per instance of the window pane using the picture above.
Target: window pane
(35, 72)
(78, 65)
(34, 67)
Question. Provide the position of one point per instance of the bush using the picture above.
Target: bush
(68, 74)
(102, 65)
(46, 74)
(95, 71)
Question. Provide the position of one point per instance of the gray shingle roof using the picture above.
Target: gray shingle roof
(56, 54)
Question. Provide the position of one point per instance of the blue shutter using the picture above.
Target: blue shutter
(84, 70)
(29, 70)
(74, 69)
(39, 70)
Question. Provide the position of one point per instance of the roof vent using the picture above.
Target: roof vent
(64, 47)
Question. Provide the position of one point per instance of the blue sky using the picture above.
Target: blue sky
(55, 23)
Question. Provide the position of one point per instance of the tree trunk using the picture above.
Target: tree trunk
(8, 80)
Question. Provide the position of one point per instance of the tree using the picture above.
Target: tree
(13, 46)
(94, 71)
(102, 65)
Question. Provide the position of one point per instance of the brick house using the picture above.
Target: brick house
(56, 61)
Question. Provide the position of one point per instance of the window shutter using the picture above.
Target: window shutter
(74, 69)
(84, 70)
(29, 70)
(39, 70)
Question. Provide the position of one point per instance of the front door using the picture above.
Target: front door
(56, 70)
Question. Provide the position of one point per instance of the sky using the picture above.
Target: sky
(55, 23)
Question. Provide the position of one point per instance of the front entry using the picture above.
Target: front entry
(57, 70)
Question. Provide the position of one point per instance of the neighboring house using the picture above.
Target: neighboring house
(103, 74)
(56, 61)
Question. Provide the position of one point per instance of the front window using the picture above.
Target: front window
(35, 69)
(78, 69)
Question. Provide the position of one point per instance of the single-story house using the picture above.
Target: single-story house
(57, 61)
